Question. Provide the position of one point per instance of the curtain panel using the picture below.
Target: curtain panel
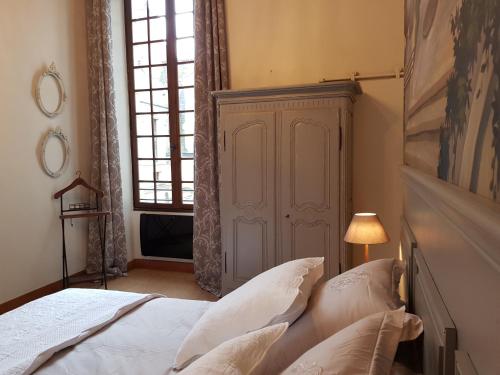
(211, 73)
(105, 171)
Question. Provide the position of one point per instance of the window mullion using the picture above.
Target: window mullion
(151, 109)
(173, 97)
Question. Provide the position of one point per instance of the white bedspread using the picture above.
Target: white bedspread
(144, 341)
(33, 333)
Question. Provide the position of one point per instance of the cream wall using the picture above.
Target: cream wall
(377, 156)
(283, 42)
(33, 34)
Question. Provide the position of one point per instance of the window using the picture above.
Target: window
(160, 59)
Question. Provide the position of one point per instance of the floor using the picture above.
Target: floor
(170, 284)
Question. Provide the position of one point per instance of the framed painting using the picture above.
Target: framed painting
(452, 92)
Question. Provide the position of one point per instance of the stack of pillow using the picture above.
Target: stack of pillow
(281, 321)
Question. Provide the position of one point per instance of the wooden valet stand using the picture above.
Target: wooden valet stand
(80, 211)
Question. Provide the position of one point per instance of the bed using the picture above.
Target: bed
(144, 338)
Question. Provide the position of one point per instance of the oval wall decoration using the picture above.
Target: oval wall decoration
(48, 154)
(50, 93)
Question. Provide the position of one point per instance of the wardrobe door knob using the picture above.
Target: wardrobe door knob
(287, 216)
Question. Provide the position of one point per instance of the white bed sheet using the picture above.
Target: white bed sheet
(144, 341)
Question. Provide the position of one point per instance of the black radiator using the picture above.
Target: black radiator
(169, 236)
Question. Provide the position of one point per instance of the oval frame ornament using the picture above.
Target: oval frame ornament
(51, 73)
(57, 133)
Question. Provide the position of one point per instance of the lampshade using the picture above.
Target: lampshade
(366, 229)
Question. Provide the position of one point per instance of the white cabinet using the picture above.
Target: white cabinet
(285, 177)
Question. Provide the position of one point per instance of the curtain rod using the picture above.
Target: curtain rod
(356, 76)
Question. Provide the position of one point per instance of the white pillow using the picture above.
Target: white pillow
(367, 289)
(238, 356)
(366, 347)
(275, 296)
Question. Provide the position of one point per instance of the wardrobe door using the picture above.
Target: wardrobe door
(247, 195)
(309, 186)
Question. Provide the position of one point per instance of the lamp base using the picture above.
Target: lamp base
(366, 254)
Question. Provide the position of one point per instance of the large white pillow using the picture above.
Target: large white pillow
(366, 347)
(367, 289)
(237, 356)
(275, 296)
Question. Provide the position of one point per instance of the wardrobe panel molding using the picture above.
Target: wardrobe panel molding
(285, 176)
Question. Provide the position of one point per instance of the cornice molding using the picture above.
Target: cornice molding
(347, 89)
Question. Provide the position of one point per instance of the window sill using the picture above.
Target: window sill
(163, 210)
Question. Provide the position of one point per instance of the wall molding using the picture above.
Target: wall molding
(161, 265)
(463, 364)
(476, 218)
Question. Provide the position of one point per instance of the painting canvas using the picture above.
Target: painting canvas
(452, 92)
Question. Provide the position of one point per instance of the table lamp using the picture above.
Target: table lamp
(366, 229)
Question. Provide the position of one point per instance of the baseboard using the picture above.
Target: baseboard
(161, 265)
(33, 295)
(57, 285)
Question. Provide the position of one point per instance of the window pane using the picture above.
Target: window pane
(183, 6)
(163, 186)
(160, 101)
(156, 8)
(158, 29)
(158, 53)
(188, 193)
(163, 170)
(146, 185)
(141, 55)
(159, 77)
(144, 148)
(187, 147)
(161, 124)
(147, 196)
(186, 99)
(139, 9)
(142, 102)
(185, 49)
(164, 193)
(184, 25)
(187, 170)
(164, 196)
(143, 124)
(140, 31)
(141, 78)
(186, 74)
(186, 121)
(145, 170)
(162, 147)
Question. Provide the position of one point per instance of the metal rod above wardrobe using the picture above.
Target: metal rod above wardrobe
(356, 76)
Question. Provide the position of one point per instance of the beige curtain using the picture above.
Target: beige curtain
(211, 74)
(105, 158)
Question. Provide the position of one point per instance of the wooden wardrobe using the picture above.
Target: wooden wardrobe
(285, 176)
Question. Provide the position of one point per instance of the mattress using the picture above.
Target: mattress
(144, 341)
